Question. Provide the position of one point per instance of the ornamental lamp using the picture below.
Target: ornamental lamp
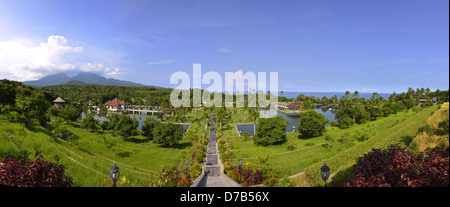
(114, 173)
(325, 172)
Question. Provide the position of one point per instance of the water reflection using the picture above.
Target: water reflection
(140, 119)
(293, 121)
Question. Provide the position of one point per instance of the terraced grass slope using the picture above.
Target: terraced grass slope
(341, 153)
(400, 133)
(87, 159)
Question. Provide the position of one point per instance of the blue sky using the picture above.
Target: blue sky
(315, 46)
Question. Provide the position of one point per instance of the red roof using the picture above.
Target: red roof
(295, 104)
(116, 102)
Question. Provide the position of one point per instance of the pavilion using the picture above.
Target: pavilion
(59, 102)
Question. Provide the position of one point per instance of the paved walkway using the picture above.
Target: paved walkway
(214, 176)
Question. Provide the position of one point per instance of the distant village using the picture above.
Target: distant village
(118, 106)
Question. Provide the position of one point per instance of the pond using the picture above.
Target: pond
(245, 128)
(293, 120)
(140, 119)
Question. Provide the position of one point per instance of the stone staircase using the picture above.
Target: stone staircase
(213, 175)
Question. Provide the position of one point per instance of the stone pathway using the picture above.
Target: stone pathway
(213, 174)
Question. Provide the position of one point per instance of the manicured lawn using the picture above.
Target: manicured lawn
(312, 153)
(88, 160)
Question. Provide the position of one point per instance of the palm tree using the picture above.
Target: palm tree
(254, 116)
(220, 113)
(176, 118)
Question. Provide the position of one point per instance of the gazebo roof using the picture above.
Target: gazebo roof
(295, 104)
(59, 100)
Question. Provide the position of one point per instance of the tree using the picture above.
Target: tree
(387, 111)
(270, 131)
(104, 125)
(333, 124)
(426, 104)
(312, 124)
(374, 112)
(8, 93)
(103, 110)
(110, 143)
(71, 113)
(147, 128)
(31, 103)
(254, 116)
(346, 122)
(113, 120)
(220, 113)
(89, 122)
(125, 126)
(167, 134)
(58, 126)
(409, 103)
(398, 107)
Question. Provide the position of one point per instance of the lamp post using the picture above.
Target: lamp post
(240, 165)
(186, 162)
(325, 173)
(114, 173)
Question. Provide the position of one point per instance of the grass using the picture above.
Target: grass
(87, 160)
(309, 154)
(430, 135)
(399, 133)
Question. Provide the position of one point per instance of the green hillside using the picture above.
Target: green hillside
(86, 158)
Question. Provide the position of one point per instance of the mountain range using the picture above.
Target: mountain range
(81, 78)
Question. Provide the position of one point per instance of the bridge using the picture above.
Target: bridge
(142, 109)
(212, 175)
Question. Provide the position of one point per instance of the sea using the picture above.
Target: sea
(290, 94)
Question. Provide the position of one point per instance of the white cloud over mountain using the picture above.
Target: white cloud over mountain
(22, 59)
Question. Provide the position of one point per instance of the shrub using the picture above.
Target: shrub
(271, 181)
(395, 167)
(346, 122)
(362, 136)
(333, 124)
(345, 138)
(426, 104)
(290, 145)
(270, 131)
(167, 134)
(172, 178)
(147, 128)
(89, 123)
(58, 126)
(247, 176)
(16, 171)
(104, 125)
(312, 124)
(246, 136)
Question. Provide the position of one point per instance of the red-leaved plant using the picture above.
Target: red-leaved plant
(19, 172)
(394, 167)
(247, 177)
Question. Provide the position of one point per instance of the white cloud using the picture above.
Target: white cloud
(224, 50)
(238, 80)
(369, 89)
(99, 67)
(162, 62)
(115, 72)
(22, 59)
